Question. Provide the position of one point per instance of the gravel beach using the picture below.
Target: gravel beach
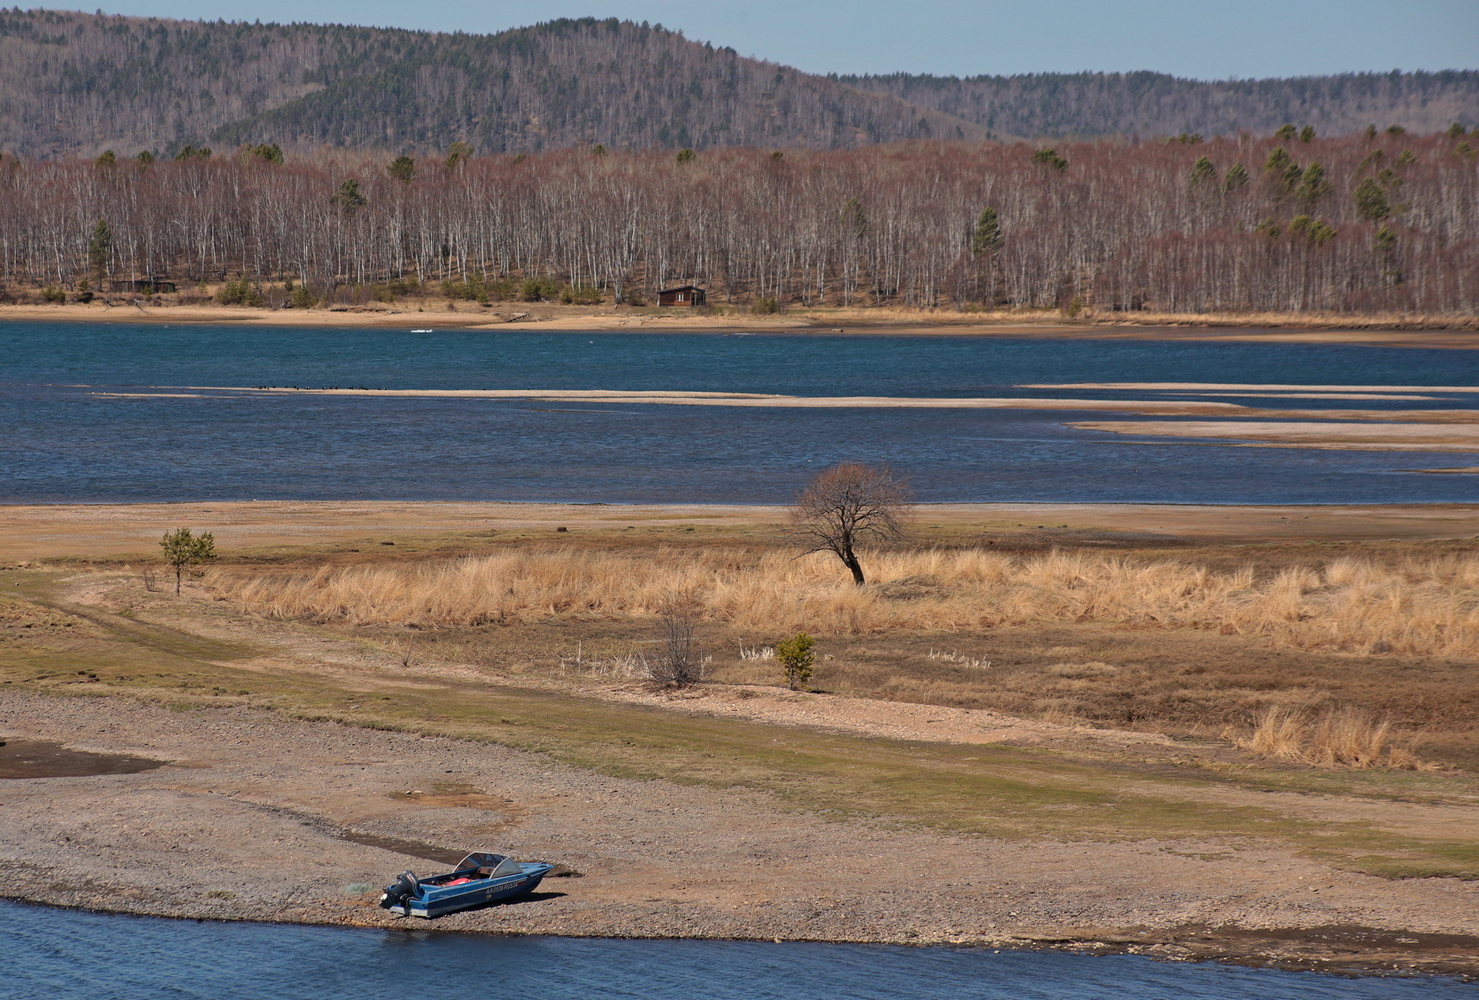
(256, 817)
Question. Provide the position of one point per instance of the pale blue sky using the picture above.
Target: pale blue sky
(1193, 38)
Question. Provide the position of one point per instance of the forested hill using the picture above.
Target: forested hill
(73, 83)
(1152, 104)
(77, 84)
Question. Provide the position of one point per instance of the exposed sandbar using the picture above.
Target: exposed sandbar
(1207, 387)
(697, 398)
(1440, 437)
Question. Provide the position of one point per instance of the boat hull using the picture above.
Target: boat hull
(433, 900)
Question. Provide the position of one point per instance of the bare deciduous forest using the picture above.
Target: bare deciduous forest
(1092, 104)
(1377, 221)
(74, 84)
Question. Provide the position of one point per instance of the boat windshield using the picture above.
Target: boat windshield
(495, 865)
(508, 866)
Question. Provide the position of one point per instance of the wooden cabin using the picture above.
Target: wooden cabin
(683, 295)
(146, 286)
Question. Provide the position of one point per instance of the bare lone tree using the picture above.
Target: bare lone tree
(850, 504)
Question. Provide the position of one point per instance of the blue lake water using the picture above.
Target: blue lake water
(60, 953)
(61, 442)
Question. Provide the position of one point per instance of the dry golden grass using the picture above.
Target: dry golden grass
(1339, 737)
(1420, 606)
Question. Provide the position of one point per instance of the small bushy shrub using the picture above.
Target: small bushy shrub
(796, 656)
(539, 289)
(765, 305)
(53, 294)
(678, 662)
(476, 288)
(469, 288)
(239, 293)
(580, 295)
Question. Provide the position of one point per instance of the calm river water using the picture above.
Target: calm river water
(62, 442)
(61, 953)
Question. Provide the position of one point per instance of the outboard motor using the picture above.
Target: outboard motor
(400, 892)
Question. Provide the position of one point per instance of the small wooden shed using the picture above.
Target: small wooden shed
(683, 295)
(146, 286)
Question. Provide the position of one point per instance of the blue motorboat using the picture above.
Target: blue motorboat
(480, 878)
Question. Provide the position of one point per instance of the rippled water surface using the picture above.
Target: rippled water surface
(61, 953)
(63, 442)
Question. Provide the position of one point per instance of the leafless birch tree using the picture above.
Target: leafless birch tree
(849, 505)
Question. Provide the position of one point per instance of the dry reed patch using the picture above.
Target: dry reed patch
(1337, 737)
(1421, 605)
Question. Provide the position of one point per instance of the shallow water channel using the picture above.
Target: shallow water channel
(116, 413)
(68, 953)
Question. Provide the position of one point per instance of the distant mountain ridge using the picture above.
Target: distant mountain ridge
(1093, 104)
(610, 82)
(76, 84)
(73, 83)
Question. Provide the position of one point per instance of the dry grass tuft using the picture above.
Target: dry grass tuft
(1338, 737)
(1420, 606)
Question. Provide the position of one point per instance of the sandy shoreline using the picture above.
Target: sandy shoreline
(113, 531)
(1453, 332)
(255, 817)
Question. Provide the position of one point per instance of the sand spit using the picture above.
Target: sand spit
(1439, 437)
(682, 397)
(696, 398)
(1274, 394)
(1200, 387)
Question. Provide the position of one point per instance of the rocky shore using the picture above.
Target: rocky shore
(256, 817)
